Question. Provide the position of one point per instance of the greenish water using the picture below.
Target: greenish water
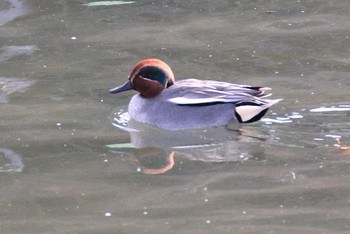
(69, 162)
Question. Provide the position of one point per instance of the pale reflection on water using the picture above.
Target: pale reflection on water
(12, 163)
(219, 144)
(12, 10)
(66, 169)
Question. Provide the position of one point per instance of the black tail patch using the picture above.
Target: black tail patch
(254, 119)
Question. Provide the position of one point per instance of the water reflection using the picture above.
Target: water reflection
(344, 148)
(323, 128)
(12, 161)
(287, 118)
(153, 149)
(9, 52)
(290, 176)
(334, 108)
(154, 160)
(11, 85)
(14, 9)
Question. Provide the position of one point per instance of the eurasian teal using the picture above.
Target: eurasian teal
(190, 103)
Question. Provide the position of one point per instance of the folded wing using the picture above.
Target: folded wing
(249, 101)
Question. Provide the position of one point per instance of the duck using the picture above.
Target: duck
(190, 103)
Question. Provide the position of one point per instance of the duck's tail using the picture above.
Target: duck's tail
(248, 112)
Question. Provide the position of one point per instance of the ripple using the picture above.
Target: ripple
(316, 128)
(12, 85)
(15, 9)
(307, 25)
(296, 129)
(331, 109)
(108, 3)
(121, 120)
(8, 52)
(288, 118)
(13, 161)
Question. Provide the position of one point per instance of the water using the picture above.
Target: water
(68, 162)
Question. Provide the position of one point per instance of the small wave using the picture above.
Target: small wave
(288, 118)
(15, 10)
(331, 109)
(14, 161)
(12, 85)
(121, 120)
(9, 52)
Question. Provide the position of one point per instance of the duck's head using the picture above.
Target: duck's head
(149, 77)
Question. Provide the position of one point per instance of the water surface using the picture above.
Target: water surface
(65, 167)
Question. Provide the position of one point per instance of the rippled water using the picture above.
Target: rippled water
(72, 162)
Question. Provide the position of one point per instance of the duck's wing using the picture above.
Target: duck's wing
(196, 92)
(248, 101)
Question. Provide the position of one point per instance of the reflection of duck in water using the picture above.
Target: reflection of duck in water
(156, 151)
(153, 160)
(190, 103)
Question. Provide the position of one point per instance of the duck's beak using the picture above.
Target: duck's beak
(124, 87)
